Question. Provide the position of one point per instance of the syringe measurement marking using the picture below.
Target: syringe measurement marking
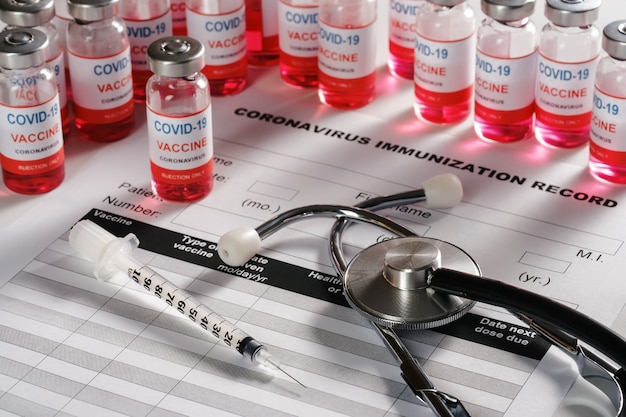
(188, 306)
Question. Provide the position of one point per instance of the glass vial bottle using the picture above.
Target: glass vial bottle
(180, 133)
(179, 17)
(100, 71)
(445, 51)
(220, 25)
(298, 28)
(569, 47)
(38, 14)
(607, 148)
(262, 32)
(347, 52)
(31, 150)
(145, 22)
(506, 61)
(402, 28)
(61, 19)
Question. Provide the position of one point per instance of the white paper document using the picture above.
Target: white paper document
(531, 216)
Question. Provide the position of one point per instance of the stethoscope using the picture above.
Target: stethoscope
(413, 282)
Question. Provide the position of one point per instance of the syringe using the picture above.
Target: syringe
(113, 254)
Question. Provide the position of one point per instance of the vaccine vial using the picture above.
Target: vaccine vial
(145, 22)
(298, 29)
(39, 14)
(179, 17)
(347, 53)
(100, 71)
(506, 60)
(220, 25)
(262, 32)
(607, 147)
(31, 150)
(445, 51)
(61, 19)
(569, 48)
(180, 133)
(402, 28)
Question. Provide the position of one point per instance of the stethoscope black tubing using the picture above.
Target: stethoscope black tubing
(536, 306)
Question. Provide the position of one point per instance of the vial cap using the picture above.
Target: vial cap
(508, 10)
(446, 3)
(26, 13)
(175, 56)
(92, 10)
(22, 48)
(570, 13)
(614, 39)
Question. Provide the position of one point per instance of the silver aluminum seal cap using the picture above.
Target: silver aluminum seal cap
(92, 10)
(446, 3)
(508, 10)
(26, 13)
(614, 39)
(175, 56)
(22, 48)
(571, 13)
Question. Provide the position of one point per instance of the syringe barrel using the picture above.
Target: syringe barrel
(113, 254)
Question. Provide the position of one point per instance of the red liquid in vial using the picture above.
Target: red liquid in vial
(505, 133)
(263, 49)
(37, 183)
(106, 131)
(443, 108)
(299, 72)
(140, 77)
(562, 137)
(401, 61)
(227, 79)
(608, 172)
(189, 191)
(345, 93)
(65, 120)
(504, 126)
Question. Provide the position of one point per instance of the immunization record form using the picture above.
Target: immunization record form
(531, 216)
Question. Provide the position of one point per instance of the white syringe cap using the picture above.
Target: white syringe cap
(99, 246)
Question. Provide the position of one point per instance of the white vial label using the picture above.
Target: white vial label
(565, 89)
(101, 83)
(444, 67)
(402, 17)
(347, 53)
(298, 30)
(57, 64)
(32, 134)
(269, 12)
(505, 84)
(223, 35)
(141, 33)
(608, 122)
(180, 143)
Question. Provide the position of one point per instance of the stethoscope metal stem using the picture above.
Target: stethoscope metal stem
(330, 211)
(415, 377)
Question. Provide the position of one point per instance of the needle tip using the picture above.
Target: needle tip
(291, 377)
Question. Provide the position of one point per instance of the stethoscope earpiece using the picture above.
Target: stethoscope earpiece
(237, 246)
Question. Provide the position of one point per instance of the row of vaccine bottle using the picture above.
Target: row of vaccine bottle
(235, 33)
(518, 82)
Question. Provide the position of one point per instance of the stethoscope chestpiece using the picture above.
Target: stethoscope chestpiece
(388, 282)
